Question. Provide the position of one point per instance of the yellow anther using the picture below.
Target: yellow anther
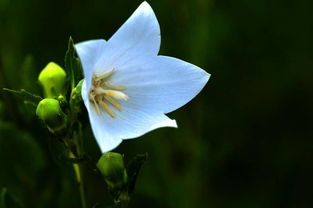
(113, 102)
(107, 109)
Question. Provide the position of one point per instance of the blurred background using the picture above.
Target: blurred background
(245, 141)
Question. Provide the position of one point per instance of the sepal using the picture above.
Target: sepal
(133, 168)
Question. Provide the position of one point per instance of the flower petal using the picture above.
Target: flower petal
(155, 84)
(160, 83)
(89, 53)
(138, 36)
(105, 140)
(129, 123)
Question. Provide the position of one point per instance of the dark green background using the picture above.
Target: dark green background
(245, 141)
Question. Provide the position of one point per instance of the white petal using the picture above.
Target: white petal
(138, 36)
(105, 140)
(130, 123)
(89, 53)
(160, 83)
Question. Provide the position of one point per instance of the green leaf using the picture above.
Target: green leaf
(7, 200)
(28, 97)
(72, 65)
(29, 74)
(133, 169)
(24, 162)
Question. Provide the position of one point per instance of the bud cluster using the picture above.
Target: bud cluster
(51, 109)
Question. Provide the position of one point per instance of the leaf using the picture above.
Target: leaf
(29, 75)
(7, 200)
(72, 65)
(133, 169)
(28, 97)
(21, 157)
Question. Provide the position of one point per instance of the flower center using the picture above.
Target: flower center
(103, 95)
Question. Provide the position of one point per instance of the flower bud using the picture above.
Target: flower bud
(111, 165)
(50, 112)
(76, 98)
(62, 101)
(52, 78)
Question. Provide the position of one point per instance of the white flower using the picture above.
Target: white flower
(128, 88)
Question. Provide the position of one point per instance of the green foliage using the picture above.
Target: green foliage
(21, 160)
(28, 98)
(76, 100)
(29, 75)
(72, 65)
(111, 166)
(27, 157)
(7, 200)
(245, 141)
(133, 168)
(120, 180)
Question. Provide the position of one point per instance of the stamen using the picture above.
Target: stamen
(116, 94)
(105, 75)
(107, 109)
(113, 102)
(95, 103)
(103, 93)
(115, 87)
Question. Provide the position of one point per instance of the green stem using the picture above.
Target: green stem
(81, 187)
(124, 199)
(78, 167)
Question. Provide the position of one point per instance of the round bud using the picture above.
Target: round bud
(52, 78)
(111, 165)
(50, 112)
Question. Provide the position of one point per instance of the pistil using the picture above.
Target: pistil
(103, 94)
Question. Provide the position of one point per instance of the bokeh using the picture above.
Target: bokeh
(245, 141)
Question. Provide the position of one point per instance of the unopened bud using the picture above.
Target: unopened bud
(62, 101)
(111, 165)
(76, 98)
(52, 78)
(50, 112)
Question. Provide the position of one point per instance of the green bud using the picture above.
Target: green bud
(62, 101)
(52, 78)
(111, 165)
(76, 98)
(50, 112)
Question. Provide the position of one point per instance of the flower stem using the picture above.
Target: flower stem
(78, 167)
(81, 185)
(124, 199)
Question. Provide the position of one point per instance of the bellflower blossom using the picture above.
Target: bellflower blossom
(128, 87)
